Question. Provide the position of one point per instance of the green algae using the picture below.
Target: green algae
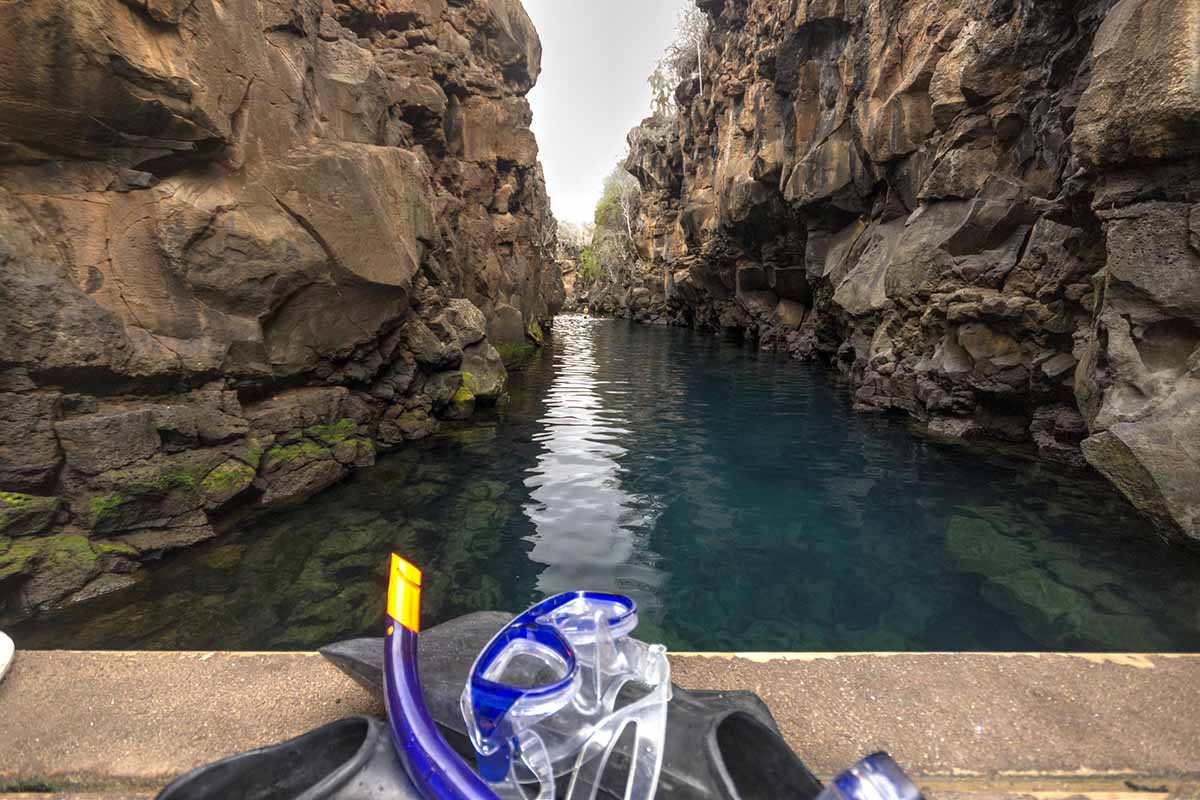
(253, 453)
(466, 390)
(224, 557)
(338, 432)
(362, 448)
(16, 499)
(100, 507)
(514, 355)
(23, 514)
(305, 449)
(228, 479)
(421, 493)
(110, 548)
(412, 419)
(65, 560)
(485, 490)
(186, 476)
(1049, 610)
(534, 332)
(68, 553)
(979, 547)
(18, 558)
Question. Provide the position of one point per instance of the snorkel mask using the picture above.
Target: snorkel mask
(553, 692)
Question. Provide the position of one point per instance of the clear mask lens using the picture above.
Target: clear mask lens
(555, 690)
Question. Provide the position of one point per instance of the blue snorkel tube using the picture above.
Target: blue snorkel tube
(435, 769)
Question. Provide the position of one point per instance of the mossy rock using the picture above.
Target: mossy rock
(296, 454)
(334, 434)
(184, 476)
(485, 490)
(422, 493)
(357, 452)
(462, 404)
(534, 332)
(1077, 575)
(480, 515)
(26, 514)
(515, 356)
(1034, 590)
(1047, 609)
(416, 424)
(99, 507)
(977, 546)
(1111, 632)
(226, 481)
(357, 532)
(104, 547)
(436, 471)
(252, 453)
(466, 389)
(223, 558)
(65, 565)
(18, 559)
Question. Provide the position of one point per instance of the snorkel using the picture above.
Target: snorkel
(547, 698)
(435, 769)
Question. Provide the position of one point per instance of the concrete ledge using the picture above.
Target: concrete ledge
(109, 725)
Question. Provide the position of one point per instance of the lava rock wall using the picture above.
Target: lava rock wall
(244, 246)
(983, 213)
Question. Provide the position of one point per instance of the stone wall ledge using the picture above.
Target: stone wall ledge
(968, 725)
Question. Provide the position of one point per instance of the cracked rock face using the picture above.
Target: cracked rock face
(238, 239)
(983, 214)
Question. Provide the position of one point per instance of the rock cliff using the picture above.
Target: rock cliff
(244, 246)
(984, 213)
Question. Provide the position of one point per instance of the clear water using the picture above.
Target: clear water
(735, 495)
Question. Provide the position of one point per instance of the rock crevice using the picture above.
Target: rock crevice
(979, 214)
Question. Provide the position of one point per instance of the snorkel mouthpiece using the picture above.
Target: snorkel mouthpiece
(435, 769)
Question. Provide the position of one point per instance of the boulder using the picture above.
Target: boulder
(1155, 462)
(464, 322)
(483, 372)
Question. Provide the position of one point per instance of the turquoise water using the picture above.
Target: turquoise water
(734, 494)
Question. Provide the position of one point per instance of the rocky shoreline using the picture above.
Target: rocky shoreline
(245, 247)
(981, 215)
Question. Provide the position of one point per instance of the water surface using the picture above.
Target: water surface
(734, 494)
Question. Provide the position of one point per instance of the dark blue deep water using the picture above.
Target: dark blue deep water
(734, 494)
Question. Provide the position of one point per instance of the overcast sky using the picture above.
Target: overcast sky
(596, 57)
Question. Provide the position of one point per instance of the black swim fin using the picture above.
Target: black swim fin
(352, 759)
(719, 745)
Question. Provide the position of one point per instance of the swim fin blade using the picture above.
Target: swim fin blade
(352, 759)
(719, 745)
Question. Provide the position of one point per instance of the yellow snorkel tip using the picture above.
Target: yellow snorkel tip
(404, 594)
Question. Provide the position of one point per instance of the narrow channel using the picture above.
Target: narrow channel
(733, 493)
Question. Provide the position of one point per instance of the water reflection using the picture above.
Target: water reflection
(589, 531)
(735, 495)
